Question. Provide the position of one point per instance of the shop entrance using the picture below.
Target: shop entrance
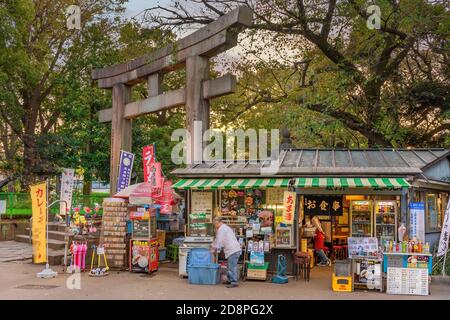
(344, 216)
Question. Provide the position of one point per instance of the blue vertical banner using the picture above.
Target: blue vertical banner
(417, 220)
(125, 168)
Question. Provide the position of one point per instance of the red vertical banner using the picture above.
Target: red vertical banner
(155, 175)
(166, 198)
(149, 158)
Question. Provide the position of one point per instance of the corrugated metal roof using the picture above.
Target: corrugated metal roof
(328, 162)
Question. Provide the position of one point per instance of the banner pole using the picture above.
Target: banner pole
(443, 266)
(46, 226)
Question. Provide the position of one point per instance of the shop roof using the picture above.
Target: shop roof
(326, 162)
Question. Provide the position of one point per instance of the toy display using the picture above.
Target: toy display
(78, 256)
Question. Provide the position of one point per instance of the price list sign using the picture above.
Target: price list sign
(407, 281)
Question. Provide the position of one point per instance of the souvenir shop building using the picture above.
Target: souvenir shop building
(355, 192)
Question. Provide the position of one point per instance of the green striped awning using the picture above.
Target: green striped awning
(351, 182)
(230, 183)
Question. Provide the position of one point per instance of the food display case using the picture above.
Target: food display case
(385, 220)
(361, 218)
(143, 222)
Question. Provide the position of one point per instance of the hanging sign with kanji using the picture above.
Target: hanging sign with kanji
(289, 207)
(148, 157)
(322, 205)
(39, 222)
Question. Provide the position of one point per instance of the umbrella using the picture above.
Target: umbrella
(142, 189)
(138, 194)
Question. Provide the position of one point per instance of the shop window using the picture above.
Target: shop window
(433, 213)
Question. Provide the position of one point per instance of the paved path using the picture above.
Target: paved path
(18, 281)
(12, 251)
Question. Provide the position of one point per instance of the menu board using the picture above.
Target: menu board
(362, 247)
(407, 281)
(201, 212)
(275, 195)
(202, 203)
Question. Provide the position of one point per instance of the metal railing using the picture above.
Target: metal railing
(18, 204)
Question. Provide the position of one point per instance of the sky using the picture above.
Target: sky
(136, 6)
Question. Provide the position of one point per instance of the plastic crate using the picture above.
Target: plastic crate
(162, 254)
(342, 268)
(172, 252)
(174, 225)
(199, 256)
(204, 274)
(163, 225)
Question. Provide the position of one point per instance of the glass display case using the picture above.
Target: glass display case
(361, 218)
(143, 222)
(385, 220)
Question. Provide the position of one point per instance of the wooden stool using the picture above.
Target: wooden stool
(302, 265)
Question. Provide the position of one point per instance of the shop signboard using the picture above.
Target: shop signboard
(289, 207)
(202, 203)
(368, 274)
(362, 247)
(443, 241)
(275, 195)
(67, 178)
(322, 205)
(417, 220)
(407, 281)
(39, 221)
(125, 169)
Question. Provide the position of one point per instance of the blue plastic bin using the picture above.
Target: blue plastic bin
(199, 256)
(162, 254)
(208, 274)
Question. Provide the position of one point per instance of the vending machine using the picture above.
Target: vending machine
(385, 220)
(361, 222)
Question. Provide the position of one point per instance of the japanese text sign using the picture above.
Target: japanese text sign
(67, 179)
(148, 157)
(39, 222)
(125, 169)
(289, 200)
(443, 241)
(322, 205)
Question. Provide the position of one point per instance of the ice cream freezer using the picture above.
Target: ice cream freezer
(189, 243)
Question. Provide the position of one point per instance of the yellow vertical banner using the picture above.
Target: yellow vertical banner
(39, 222)
(289, 207)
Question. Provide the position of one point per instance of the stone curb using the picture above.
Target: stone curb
(440, 280)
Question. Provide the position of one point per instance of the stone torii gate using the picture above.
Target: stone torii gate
(193, 53)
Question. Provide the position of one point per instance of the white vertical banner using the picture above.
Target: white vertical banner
(443, 241)
(67, 179)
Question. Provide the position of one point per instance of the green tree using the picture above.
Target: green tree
(389, 84)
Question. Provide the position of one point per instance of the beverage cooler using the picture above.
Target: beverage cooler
(361, 218)
(385, 220)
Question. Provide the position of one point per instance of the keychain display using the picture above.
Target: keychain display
(100, 253)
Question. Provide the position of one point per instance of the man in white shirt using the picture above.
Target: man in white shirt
(226, 239)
